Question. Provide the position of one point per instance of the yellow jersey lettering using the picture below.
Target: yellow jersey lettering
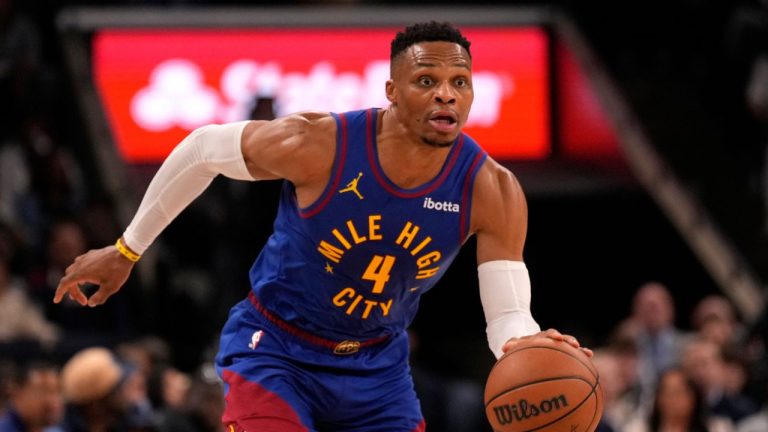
(421, 246)
(427, 273)
(407, 235)
(354, 304)
(330, 251)
(353, 233)
(369, 304)
(338, 299)
(428, 259)
(341, 238)
(385, 307)
(374, 227)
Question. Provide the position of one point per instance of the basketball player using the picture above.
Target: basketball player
(376, 205)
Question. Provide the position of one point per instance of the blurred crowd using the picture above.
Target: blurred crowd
(143, 361)
(658, 377)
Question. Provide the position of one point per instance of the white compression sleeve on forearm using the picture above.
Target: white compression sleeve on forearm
(505, 291)
(189, 169)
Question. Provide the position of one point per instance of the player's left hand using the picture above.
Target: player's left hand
(551, 334)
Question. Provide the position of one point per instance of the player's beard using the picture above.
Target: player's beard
(434, 143)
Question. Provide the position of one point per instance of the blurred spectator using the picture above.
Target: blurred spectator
(20, 318)
(80, 328)
(757, 422)
(735, 370)
(715, 319)
(56, 176)
(702, 360)
(652, 325)
(6, 370)
(679, 406)
(35, 400)
(204, 404)
(609, 370)
(15, 186)
(103, 394)
(148, 354)
(629, 403)
(65, 241)
(756, 348)
(167, 387)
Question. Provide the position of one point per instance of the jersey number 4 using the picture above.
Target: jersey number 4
(378, 271)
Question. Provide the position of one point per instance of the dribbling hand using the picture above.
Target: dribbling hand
(551, 334)
(104, 267)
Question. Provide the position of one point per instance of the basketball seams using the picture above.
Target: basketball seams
(598, 403)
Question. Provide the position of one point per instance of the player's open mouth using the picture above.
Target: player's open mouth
(443, 121)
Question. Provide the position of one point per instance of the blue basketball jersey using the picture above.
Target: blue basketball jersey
(355, 262)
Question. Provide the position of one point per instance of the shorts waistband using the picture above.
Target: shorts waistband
(337, 347)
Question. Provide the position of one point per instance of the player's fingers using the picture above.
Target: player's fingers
(101, 295)
(72, 288)
(70, 268)
(587, 351)
(571, 341)
(554, 334)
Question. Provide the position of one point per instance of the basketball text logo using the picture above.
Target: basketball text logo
(522, 409)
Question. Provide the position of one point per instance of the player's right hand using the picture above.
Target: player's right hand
(104, 267)
(551, 334)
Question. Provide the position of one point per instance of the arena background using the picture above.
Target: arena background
(672, 78)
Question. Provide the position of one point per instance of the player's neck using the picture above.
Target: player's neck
(404, 157)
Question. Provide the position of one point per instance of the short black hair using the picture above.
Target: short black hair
(432, 31)
(19, 372)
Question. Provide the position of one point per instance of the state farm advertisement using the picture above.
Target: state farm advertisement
(157, 86)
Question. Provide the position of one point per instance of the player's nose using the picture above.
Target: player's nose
(445, 94)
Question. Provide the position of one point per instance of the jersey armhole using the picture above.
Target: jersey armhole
(466, 195)
(336, 169)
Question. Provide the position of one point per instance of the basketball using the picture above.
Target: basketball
(543, 385)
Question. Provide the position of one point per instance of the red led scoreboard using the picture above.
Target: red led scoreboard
(158, 85)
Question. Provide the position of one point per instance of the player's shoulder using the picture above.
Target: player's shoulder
(494, 181)
(497, 196)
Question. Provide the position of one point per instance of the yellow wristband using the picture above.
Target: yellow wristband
(124, 251)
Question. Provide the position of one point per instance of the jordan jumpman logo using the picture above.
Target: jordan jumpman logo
(352, 186)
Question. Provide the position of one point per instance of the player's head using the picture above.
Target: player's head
(35, 394)
(430, 85)
(426, 32)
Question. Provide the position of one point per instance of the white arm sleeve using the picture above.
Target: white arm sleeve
(183, 176)
(505, 291)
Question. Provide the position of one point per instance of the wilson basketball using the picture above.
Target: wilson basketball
(543, 385)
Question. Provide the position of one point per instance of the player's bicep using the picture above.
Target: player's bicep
(499, 215)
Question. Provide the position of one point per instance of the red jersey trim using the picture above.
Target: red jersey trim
(303, 334)
(333, 184)
(466, 208)
(387, 184)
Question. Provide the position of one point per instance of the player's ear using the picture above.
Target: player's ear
(390, 90)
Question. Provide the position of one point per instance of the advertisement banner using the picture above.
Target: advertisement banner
(158, 85)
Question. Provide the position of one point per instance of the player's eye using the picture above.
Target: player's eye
(426, 81)
(462, 82)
